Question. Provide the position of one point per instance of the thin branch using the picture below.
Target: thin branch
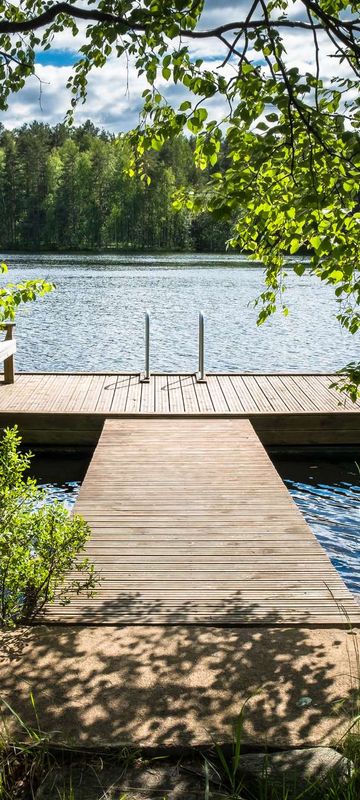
(94, 15)
(317, 58)
(8, 58)
(234, 43)
(335, 25)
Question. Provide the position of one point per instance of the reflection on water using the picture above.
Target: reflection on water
(327, 493)
(53, 469)
(64, 492)
(94, 321)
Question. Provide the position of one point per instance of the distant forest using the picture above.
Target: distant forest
(67, 189)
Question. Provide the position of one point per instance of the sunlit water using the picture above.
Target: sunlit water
(95, 318)
(327, 493)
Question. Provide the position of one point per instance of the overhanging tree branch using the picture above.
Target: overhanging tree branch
(95, 15)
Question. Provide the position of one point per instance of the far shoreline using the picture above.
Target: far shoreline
(232, 255)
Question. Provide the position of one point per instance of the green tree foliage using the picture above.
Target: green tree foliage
(20, 177)
(292, 168)
(39, 543)
(73, 191)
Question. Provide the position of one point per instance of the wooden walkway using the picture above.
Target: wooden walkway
(172, 394)
(192, 524)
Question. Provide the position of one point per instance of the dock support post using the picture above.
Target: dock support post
(201, 375)
(145, 376)
(9, 364)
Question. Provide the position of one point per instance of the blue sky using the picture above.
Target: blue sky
(56, 58)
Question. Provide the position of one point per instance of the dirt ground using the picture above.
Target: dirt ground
(179, 685)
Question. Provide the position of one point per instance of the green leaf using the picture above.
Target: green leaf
(294, 245)
(315, 242)
(299, 269)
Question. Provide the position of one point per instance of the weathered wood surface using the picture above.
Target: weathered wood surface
(7, 352)
(7, 348)
(285, 410)
(173, 394)
(191, 523)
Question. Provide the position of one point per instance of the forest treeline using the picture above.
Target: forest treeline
(67, 188)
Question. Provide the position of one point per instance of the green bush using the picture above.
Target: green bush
(40, 543)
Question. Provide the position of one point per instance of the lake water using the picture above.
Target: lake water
(328, 494)
(95, 318)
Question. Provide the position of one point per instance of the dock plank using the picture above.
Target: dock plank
(232, 399)
(191, 405)
(114, 394)
(326, 381)
(276, 393)
(176, 395)
(191, 523)
(246, 398)
(147, 399)
(121, 389)
(133, 399)
(218, 399)
(204, 398)
(89, 403)
(162, 403)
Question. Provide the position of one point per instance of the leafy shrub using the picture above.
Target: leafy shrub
(40, 543)
(12, 295)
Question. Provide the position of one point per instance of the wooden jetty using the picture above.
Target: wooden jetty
(284, 409)
(192, 524)
(190, 521)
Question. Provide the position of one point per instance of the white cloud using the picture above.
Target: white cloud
(114, 92)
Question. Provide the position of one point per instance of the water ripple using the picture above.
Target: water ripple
(95, 319)
(333, 513)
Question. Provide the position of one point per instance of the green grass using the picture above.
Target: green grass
(24, 767)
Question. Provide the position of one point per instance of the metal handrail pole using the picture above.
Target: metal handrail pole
(145, 376)
(147, 345)
(201, 376)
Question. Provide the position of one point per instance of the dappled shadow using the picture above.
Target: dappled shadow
(152, 684)
(13, 643)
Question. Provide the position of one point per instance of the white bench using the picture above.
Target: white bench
(7, 352)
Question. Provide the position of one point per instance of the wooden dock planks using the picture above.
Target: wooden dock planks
(192, 524)
(173, 394)
(285, 409)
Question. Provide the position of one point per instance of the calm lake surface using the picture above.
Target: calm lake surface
(95, 318)
(327, 493)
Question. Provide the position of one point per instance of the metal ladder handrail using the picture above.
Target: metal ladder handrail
(145, 376)
(200, 374)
